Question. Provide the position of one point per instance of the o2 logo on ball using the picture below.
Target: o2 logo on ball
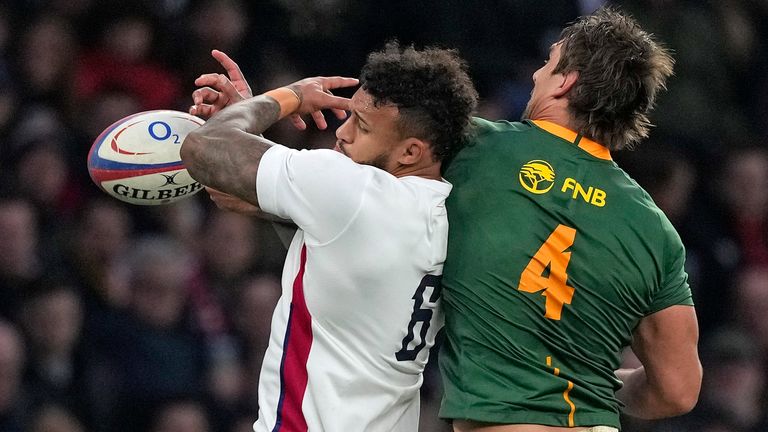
(167, 132)
(158, 130)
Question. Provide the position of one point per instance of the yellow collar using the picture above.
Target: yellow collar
(595, 149)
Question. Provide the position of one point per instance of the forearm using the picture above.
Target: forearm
(644, 399)
(253, 115)
(668, 384)
(226, 151)
(633, 392)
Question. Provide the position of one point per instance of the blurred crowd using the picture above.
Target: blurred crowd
(123, 318)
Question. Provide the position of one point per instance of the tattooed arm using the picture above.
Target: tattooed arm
(226, 151)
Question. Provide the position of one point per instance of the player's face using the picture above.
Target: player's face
(544, 84)
(369, 136)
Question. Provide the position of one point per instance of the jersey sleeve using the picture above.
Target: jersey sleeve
(674, 289)
(319, 190)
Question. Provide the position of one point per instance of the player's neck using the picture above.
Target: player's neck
(555, 114)
(561, 120)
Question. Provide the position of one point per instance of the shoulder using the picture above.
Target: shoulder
(486, 134)
(427, 187)
(486, 139)
(482, 127)
(654, 216)
(672, 241)
(318, 156)
(312, 164)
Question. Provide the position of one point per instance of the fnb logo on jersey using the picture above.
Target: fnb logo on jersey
(537, 176)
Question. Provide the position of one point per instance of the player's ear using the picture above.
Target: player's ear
(569, 79)
(413, 151)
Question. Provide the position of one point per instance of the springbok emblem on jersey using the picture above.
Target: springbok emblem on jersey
(537, 176)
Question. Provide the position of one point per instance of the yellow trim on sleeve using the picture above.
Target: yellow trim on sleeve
(595, 149)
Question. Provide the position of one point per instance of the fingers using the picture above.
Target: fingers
(317, 96)
(330, 101)
(206, 95)
(298, 122)
(209, 79)
(207, 102)
(335, 82)
(203, 111)
(319, 119)
(218, 83)
(218, 90)
(339, 113)
(234, 72)
(229, 65)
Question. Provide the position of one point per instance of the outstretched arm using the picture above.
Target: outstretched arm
(226, 151)
(217, 91)
(669, 381)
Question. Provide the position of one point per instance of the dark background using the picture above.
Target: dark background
(124, 318)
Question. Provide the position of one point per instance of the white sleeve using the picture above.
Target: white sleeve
(320, 190)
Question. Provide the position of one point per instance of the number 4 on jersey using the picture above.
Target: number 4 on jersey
(551, 254)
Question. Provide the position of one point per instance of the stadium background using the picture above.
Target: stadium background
(120, 318)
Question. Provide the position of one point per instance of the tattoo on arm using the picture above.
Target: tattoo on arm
(226, 151)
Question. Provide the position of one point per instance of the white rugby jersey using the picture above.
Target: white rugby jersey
(360, 306)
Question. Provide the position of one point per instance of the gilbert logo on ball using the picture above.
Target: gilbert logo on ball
(137, 160)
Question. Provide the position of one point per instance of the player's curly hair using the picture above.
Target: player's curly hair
(621, 69)
(431, 89)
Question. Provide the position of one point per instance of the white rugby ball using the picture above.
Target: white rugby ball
(137, 160)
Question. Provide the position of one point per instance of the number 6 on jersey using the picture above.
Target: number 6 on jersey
(421, 315)
(551, 254)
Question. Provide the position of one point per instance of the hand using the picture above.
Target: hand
(218, 91)
(232, 203)
(234, 73)
(315, 95)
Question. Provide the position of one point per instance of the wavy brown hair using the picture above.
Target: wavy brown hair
(621, 70)
(431, 89)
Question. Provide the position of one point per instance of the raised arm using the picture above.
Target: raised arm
(226, 151)
(669, 381)
(217, 91)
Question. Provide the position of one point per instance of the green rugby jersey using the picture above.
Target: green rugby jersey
(554, 255)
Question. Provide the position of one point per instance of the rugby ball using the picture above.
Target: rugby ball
(137, 160)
